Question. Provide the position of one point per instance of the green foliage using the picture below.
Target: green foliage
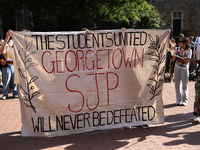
(66, 15)
(133, 14)
(8, 11)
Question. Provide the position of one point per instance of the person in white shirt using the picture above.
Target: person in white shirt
(181, 71)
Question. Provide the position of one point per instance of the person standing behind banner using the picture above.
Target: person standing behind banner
(10, 43)
(196, 107)
(8, 76)
(1, 83)
(181, 71)
(193, 66)
(85, 29)
(171, 47)
(180, 36)
(10, 54)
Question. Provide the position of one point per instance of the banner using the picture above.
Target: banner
(73, 82)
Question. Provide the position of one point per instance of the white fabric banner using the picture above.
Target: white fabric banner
(73, 82)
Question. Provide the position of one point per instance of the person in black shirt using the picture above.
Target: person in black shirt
(7, 69)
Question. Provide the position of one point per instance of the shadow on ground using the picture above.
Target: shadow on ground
(107, 139)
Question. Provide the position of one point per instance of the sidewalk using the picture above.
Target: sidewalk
(178, 132)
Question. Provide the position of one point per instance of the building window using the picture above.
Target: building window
(177, 23)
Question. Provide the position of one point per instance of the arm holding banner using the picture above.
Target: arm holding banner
(191, 60)
(8, 35)
(174, 56)
(10, 54)
(3, 62)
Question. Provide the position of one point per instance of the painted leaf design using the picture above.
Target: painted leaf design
(162, 71)
(153, 79)
(25, 39)
(33, 79)
(29, 60)
(32, 88)
(152, 47)
(33, 108)
(151, 86)
(161, 79)
(157, 39)
(26, 105)
(162, 48)
(154, 59)
(151, 98)
(151, 38)
(31, 53)
(23, 91)
(21, 73)
(151, 92)
(35, 94)
(31, 65)
(155, 67)
(25, 98)
(162, 59)
(159, 92)
(153, 54)
(20, 55)
(28, 47)
(158, 46)
(159, 84)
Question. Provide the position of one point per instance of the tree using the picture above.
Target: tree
(132, 14)
(68, 15)
(8, 11)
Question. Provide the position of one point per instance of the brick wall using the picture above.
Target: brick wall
(190, 10)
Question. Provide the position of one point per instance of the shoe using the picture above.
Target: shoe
(4, 97)
(16, 96)
(196, 119)
(146, 126)
(178, 104)
(126, 127)
(184, 103)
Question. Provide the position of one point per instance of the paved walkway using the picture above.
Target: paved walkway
(178, 132)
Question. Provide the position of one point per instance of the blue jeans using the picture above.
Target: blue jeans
(8, 80)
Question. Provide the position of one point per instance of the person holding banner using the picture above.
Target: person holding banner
(85, 29)
(193, 66)
(181, 70)
(8, 76)
(10, 54)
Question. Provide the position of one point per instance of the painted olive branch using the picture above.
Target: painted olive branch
(159, 58)
(28, 93)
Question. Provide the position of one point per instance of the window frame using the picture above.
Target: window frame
(172, 16)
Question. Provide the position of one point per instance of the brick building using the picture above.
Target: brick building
(181, 16)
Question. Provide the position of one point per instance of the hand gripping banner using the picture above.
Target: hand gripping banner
(74, 82)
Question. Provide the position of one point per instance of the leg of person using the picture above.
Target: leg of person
(1, 83)
(14, 86)
(177, 84)
(6, 76)
(185, 79)
(146, 126)
(196, 112)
